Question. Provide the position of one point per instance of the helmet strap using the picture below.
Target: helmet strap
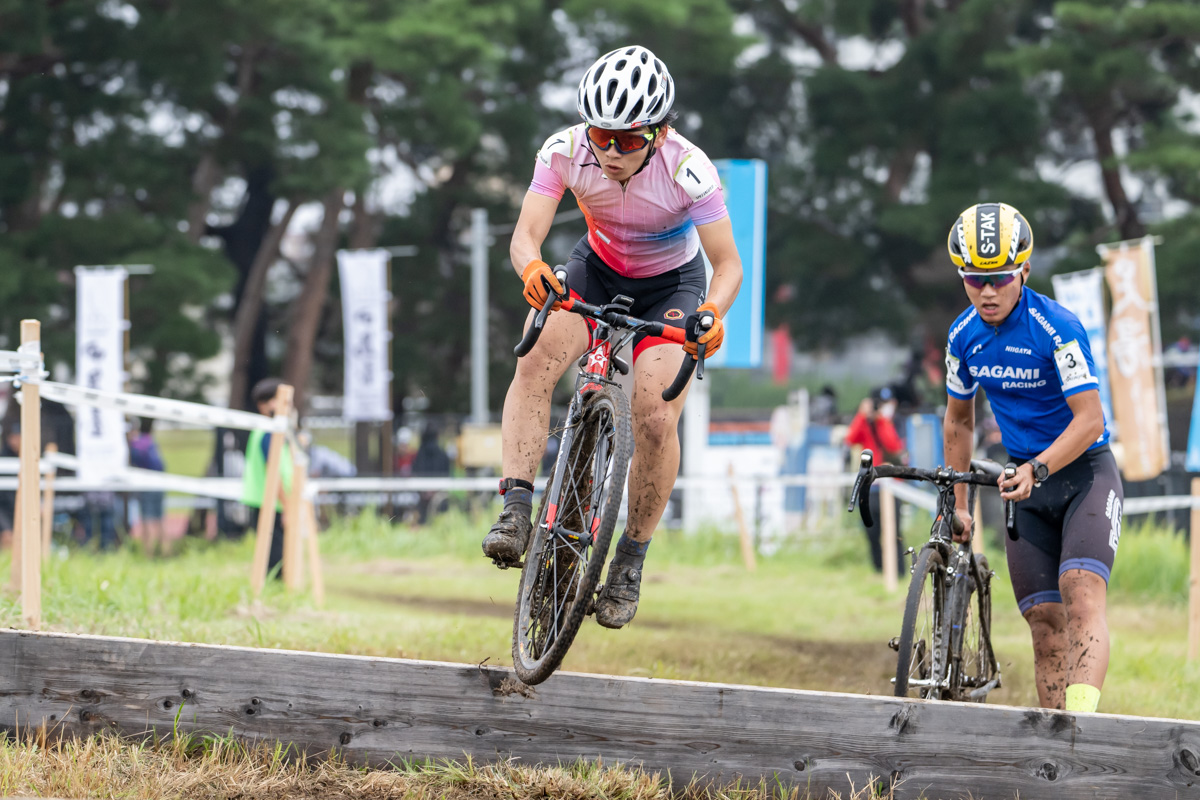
(652, 148)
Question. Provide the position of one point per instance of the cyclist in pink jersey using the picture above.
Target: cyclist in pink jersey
(651, 200)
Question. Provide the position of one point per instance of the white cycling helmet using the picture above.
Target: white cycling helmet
(626, 89)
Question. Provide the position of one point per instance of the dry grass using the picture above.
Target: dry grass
(208, 768)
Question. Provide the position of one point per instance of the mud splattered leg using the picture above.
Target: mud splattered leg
(1048, 624)
(1084, 595)
(527, 405)
(655, 462)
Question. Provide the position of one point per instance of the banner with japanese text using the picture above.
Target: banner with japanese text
(1082, 293)
(1139, 406)
(365, 296)
(100, 326)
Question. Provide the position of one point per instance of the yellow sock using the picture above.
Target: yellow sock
(1081, 697)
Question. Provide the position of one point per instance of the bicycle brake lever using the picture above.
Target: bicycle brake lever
(703, 325)
(860, 494)
(1010, 506)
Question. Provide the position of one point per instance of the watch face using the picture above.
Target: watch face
(1040, 471)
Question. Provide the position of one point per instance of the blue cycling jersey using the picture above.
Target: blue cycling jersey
(1029, 365)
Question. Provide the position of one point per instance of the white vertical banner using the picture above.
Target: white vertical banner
(1082, 293)
(100, 326)
(365, 296)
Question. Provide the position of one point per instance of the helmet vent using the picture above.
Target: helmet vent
(635, 112)
(636, 77)
(620, 65)
(652, 85)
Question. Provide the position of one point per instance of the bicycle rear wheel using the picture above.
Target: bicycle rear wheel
(923, 650)
(572, 534)
(974, 663)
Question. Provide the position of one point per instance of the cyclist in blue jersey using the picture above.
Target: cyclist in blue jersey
(1033, 359)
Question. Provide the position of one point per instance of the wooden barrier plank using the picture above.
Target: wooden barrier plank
(888, 530)
(29, 489)
(375, 710)
(1194, 579)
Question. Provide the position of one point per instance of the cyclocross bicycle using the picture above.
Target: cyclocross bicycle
(945, 644)
(579, 507)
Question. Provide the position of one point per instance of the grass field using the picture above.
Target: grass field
(813, 616)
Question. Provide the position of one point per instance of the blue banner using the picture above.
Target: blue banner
(745, 184)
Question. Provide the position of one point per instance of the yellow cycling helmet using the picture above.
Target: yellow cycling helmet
(990, 236)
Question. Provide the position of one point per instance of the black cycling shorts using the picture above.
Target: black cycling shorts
(668, 297)
(1071, 521)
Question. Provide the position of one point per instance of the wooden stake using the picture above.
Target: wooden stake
(48, 505)
(293, 575)
(1194, 587)
(271, 494)
(743, 532)
(30, 531)
(309, 519)
(887, 535)
(16, 540)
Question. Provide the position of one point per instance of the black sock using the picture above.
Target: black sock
(519, 500)
(631, 551)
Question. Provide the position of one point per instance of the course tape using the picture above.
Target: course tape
(160, 408)
(141, 480)
(18, 363)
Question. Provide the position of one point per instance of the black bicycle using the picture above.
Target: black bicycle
(945, 644)
(579, 507)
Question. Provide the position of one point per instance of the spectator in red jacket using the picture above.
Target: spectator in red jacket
(872, 429)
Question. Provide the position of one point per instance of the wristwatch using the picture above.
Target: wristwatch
(1040, 471)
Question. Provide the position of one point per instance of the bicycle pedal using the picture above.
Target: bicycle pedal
(502, 564)
(894, 643)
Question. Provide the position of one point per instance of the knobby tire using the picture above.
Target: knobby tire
(974, 662)
(560, 575)
(923, 642)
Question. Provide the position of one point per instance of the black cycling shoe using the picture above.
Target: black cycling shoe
(618, 600)
(505, 543)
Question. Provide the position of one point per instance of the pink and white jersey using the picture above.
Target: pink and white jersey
(647, 227)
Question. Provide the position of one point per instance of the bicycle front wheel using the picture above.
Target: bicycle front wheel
(923, 650)
(974, 663)
(571, 537)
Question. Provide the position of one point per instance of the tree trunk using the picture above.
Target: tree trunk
(248, 316)
(203, 180)
(306, 311)
(1110, 171)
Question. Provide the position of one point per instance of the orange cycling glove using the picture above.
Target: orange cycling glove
(535, 291)
(713, 338)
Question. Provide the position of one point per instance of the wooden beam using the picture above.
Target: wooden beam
(744, 539)
(48, 505)
(1194, 587)
(29, 487)
(375, 710)
(266, 514)
(887, 536)
(308, 518)
(293, 574)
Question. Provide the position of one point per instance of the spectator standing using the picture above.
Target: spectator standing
(144, 454)
(254, 478)
(872, 429)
